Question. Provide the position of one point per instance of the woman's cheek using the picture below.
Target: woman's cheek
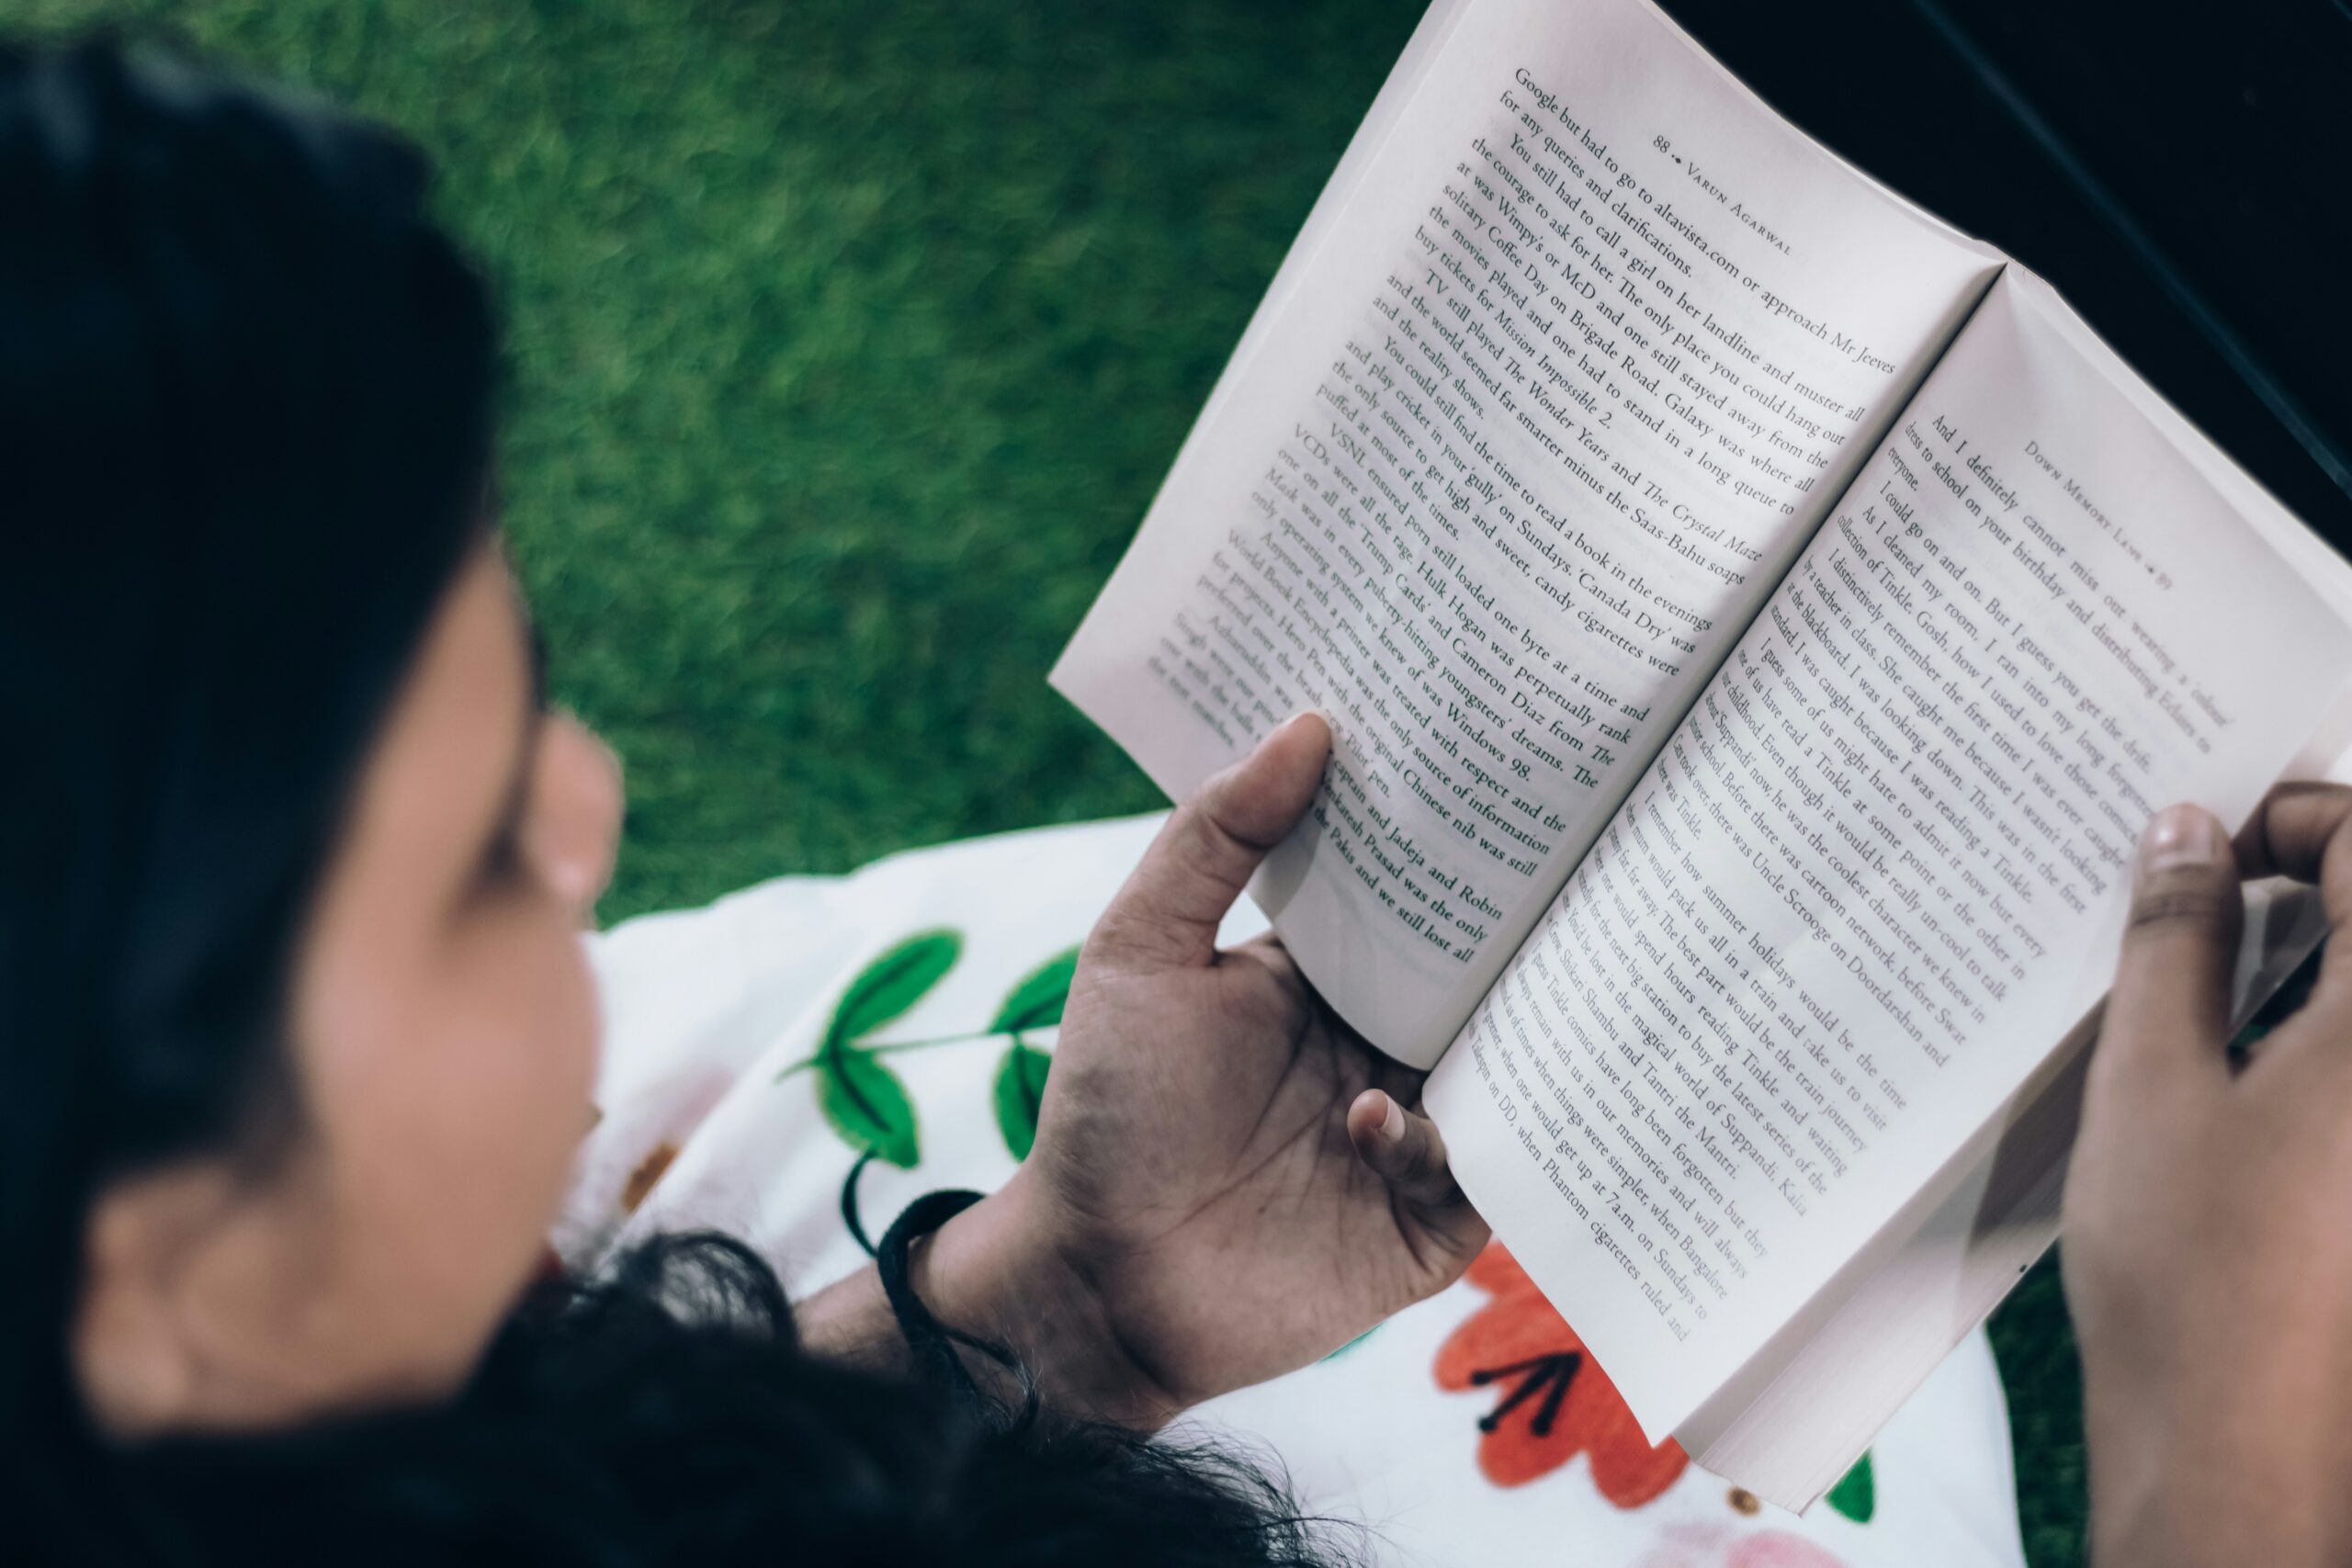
(584, 1030)
(521, 1088)
(559, 1038)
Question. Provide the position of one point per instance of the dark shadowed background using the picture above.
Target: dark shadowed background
(851, 337)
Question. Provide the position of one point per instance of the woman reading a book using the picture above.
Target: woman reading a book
(295, 1036)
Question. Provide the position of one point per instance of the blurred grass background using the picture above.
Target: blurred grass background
(849, 340)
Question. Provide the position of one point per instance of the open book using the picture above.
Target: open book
(1756, 621)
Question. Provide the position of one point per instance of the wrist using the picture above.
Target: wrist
(1002, 1271)
(998, 1272)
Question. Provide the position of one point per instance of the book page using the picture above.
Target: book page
(1804, 1410)
(1570, 376)
(1882, 868)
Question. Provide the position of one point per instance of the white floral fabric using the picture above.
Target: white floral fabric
(796, 1062)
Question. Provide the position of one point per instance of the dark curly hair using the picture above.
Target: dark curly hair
(246, 411)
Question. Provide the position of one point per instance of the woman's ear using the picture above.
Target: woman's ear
(132, 1352)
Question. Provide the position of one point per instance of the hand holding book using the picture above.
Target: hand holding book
(1756, 622)
(2207, 1262)
(1227, 1183)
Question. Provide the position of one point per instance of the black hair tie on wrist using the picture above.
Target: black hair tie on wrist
(931, 1341)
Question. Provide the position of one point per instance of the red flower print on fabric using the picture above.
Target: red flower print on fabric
(1554, 1401)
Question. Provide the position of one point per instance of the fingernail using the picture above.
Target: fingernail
(2180, 836)
(1392, 1127)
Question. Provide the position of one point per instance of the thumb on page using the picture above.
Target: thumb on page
(2168, 1016)
(1167, 913)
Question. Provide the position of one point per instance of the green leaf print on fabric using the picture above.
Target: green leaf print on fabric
(1856, 1497)
(1037, 1001)
(863, 1098)
(867, 1105)
(864, 1101)
(1020, 1090)
(891, 985)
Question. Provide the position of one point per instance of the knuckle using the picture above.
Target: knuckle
(1205, 854)
(1182, 826)
(2181, 903)
(1122, 931)
(1231, 819)
(1204, 844)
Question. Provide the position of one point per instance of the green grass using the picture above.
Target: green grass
(849, 342)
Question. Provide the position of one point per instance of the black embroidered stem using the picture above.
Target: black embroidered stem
(1550, 1410)
(1548, 1375)
(849, 1203)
